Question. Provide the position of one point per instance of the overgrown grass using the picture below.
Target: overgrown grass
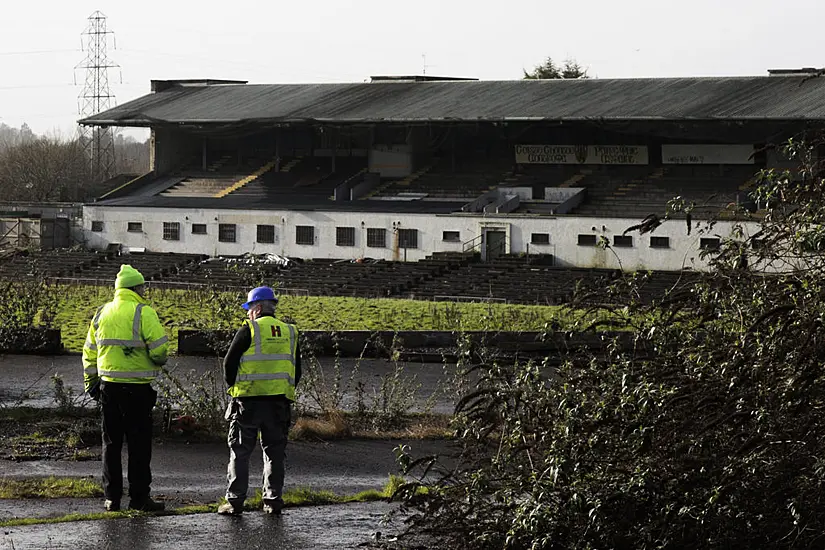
(345, 425)
(50, 487)
(186, 309)
(28, 433)
(293, 498)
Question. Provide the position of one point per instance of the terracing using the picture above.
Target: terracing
(91, 267)
(636, 191)
(445, 276)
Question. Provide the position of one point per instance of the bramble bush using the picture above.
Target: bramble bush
(26, 303)
(708, 432)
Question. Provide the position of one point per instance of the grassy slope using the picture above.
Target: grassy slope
(198, 309)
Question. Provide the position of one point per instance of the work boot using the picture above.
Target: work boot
(111, 505)
(146, 505)
(273, 507)
(229, 509)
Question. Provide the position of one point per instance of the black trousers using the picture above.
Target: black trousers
(127, 413)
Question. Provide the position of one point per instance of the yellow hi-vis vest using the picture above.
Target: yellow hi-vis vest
(125, 343)
(268, 366)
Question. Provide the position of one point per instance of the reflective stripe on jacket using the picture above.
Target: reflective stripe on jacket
(125, 343)
(268, 366)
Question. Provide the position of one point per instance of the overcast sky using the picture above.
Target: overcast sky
(340, 41)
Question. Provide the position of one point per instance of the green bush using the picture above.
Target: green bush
(707, 433)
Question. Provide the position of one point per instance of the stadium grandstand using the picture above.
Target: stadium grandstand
(437, 187)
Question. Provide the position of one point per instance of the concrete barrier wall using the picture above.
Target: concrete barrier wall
(432, 345)
(354, 343)
(38, 341)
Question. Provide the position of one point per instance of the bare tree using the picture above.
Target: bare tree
(53, 168)
(44, 169)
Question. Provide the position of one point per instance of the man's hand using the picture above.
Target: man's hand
(94, 391)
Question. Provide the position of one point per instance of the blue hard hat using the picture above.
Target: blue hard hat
(258, 294)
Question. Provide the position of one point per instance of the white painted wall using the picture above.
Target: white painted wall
(564, 230)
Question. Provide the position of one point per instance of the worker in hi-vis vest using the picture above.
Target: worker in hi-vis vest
(124, 351)
(261, 368)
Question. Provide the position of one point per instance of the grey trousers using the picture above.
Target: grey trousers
(270, 417)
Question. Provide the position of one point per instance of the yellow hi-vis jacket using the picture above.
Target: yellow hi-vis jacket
(268, 366)
(126, 342)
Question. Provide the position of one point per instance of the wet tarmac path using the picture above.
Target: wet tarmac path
(27, 380)
(319, 527)
(195, 474)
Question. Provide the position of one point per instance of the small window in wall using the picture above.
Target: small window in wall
(408, 238)
(97, 226)
(540, 238)
(266, 234)
(305, 234)
(709, 244)
(623, 241)
(171, 231)
(226, 232)
(134, 227)
(376, 237)
(587, 240)
(659, 242)
(199, 229)
(345, 236)
(451, 236)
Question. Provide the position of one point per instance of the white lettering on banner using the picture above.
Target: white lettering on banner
(707, 154)
(581, 154)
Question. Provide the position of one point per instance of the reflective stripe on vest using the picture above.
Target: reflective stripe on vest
(157, 343)
(96, 320)
(135, 342)
(260, 356)
(268, 376)
(128, 373)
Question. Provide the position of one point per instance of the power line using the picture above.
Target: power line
(38, 52)
(124, 85)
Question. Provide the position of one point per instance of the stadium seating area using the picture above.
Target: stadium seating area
(442, 276)
(441, 180)
(309, 176)
(647, 190)
(54, 263)
(220, 176)
(636, 191)
(92, 266)
(626, 191)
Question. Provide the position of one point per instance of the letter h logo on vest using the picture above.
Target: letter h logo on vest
(276, 331)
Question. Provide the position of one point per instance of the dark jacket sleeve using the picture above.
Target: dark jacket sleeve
(232, 361)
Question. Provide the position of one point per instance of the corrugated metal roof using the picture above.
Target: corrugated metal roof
(723, 98)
